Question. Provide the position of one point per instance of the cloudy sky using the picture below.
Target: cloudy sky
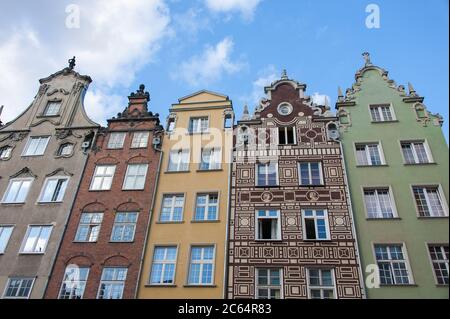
(235, 47)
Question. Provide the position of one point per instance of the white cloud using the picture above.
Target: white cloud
(245, 7)
(320, 99)
(265, 77)
(115, 40)
(210, 65)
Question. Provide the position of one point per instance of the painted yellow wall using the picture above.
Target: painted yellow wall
(189, 233)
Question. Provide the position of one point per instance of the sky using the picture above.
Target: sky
(234, 47)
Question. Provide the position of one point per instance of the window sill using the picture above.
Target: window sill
(397, 285)
(442, 285)
(199, 286)
(24, 253)
(41, 116)
(13, 204)
(268, 240)
(114, 148)
(49, 203)
(209, 170)
(419, 164)
(99, 190)
(383, 219)
(84, 242)
(175, 172)
(205, 221)
(381, 122)
(139, 148)
(170, 222)
(32, 155)
(132, 189)
(432, 217)
(266, 186)
(120, 242)
(160, 286)
(198, 133)
(382, 165)
(317, 240)
(312, 185)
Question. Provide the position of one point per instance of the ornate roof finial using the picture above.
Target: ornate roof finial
(141, 93)
(71, 63)
(412, 91)
(245, 114)
(366, 56)
(340, 94)
(284, 75)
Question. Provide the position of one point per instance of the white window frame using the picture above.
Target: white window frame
(25, 149)
(135, 177)
(138, 138)
(127, 223)
(112, 282)
(5, 149)
(78, 281)
(310, 174)
(367, 153)
(380, 113)
(62, 146)
(279, 237)
(390, 261)
(21, 180)
(164, 262)
(202, 262)
(182, 154)
(433, 261)
(441, 195)
(89, 227)
(198, 128)
(103, 176)
(268, 286)
(321, 287)
(207, 205)
(2, 229)
(25, 240)
(118, 144)
(416, 159)
(215, 158)
(172, 208)
(391, 199)
(286, 135)
(16, 278)
(49, 106)
(266, 174)
(62, 190)
(315, 217)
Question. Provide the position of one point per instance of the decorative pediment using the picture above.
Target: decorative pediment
(24, 172)
(58, 172)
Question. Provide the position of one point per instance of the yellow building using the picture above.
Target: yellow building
(185, 253)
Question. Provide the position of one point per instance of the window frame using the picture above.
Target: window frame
(200, 118)
(416, 161)
(279, 236)
(367, 154)
(441, 195)
(132, 145)
(2, 229)
(432, 262)
(164, 263)
(206, 206)
(380, 113)
(76, 240)
(268, 286)
(115, 223)
(112, 282)
(267, 174)
(113, 147)
(322, 181)
(179, 164)
(94, 175)
(62, 146)
(78, 281)
(310, 287)
(27, 145)
(41, 194)
(27, 234)
(8, 149)
(214, 154)
(135, 177)
(172, 208)
(213, 263)
(365, 188)
(285, 129)
(47, 107)
(406, 261)
(315, 217)
(21, 278)
(8, 188)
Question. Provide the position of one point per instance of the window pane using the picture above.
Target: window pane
(5, 234)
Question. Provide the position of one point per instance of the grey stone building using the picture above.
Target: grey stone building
(42, 157)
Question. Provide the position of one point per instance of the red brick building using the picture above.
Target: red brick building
(102, 247)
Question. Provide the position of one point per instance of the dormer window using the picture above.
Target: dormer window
(52, 108)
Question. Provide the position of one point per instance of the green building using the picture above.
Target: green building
(397, 168)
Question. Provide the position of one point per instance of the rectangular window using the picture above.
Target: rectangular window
(321, 283)
(268, 285)
(286, 135)
(36, 239)
(381, 113)
(315, 224)
(211, 159)
(201, 267)
(112, 283)
(18, 288)
(5, 152)
(103, 177)
(415, 153)
(124, 227)
(429, 201)
(135, 176)
(206, 207)
(17, 190)
(116, 140)
(268, 225)
(172, 208)
(378, 203)
(392, 264)
(267, 174)
(439, 261)
(36, 145)
(89, 227)
(140, 140)
(198, 125)
(311, 173)
(163, 266)
(228, 121)
(5, 234)
(54, 189)
(369, 154)
(74, 282)
(178, 161)
(52, 108)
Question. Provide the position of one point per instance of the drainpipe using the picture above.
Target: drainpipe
(350, 210)
(230, 172)
(150, 218)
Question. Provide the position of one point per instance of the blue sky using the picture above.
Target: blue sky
(235, 47)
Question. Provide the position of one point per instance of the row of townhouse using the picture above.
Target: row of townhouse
(291, 201)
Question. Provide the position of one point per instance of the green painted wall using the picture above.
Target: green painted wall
(409, 229)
